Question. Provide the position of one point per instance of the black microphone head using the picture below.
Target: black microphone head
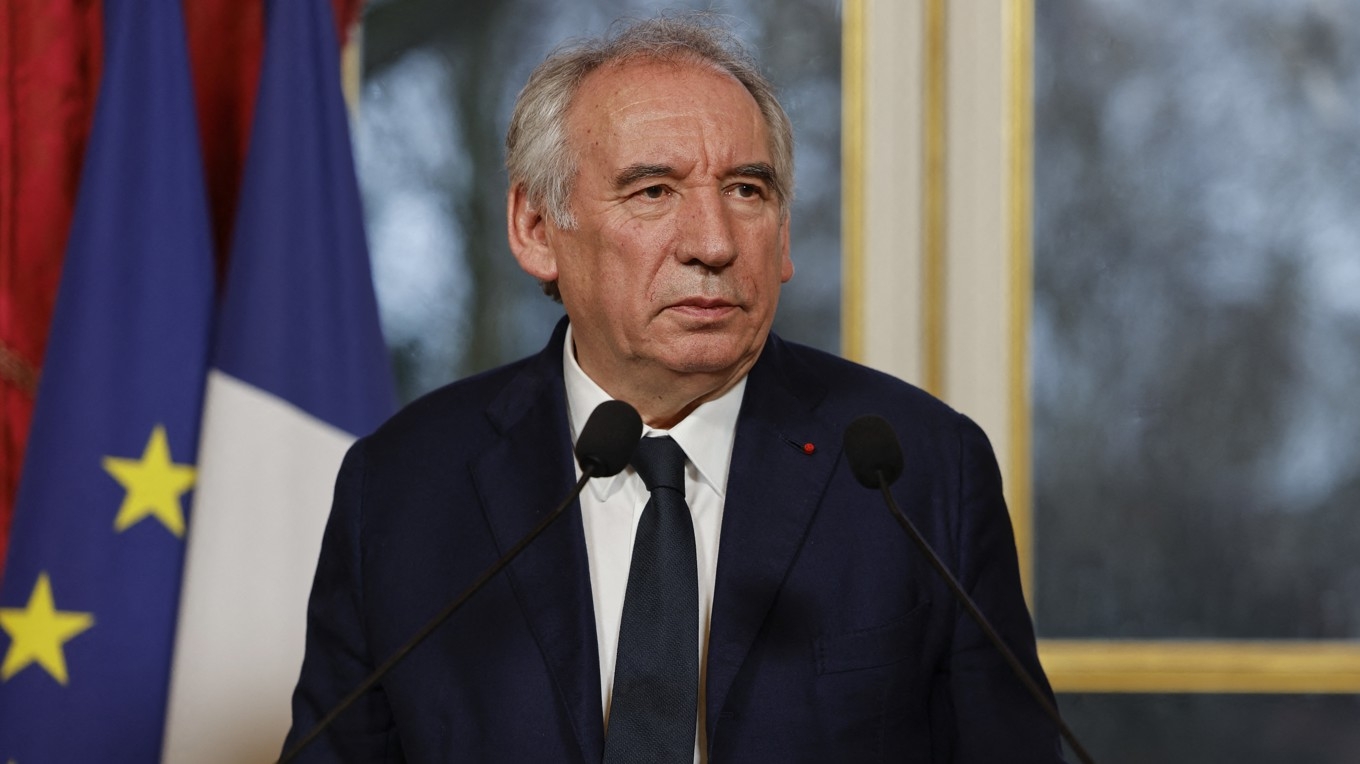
(872, 448)
(608, 439)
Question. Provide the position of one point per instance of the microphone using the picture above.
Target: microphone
(875, 458)
(608, 439)
(604, 447)
(873, 451)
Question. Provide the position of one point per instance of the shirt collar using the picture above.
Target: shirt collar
(706, 435)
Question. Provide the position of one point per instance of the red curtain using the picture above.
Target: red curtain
(50, 53)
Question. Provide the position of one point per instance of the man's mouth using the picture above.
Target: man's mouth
(704, 308)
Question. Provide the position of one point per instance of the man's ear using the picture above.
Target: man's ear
(528, 234)
(785, 262)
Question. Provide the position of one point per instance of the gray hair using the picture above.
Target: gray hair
(537, 154)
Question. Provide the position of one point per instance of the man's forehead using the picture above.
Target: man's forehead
(620, 86)
(626, 99)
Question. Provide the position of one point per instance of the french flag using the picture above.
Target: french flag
(299, 370)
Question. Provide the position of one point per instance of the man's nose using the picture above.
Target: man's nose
(706, 233)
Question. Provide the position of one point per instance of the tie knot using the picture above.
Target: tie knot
(660, 462)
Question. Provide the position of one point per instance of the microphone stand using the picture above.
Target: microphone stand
(588, 469)
(1016, 666)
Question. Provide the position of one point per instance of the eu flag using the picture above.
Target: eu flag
(88, 603)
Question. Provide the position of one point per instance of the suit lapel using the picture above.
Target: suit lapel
(773, 491)
(520, 479)
(774, 488)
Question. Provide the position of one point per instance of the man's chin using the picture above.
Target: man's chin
(710, 356)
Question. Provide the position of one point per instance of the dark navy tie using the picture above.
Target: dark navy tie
(656, 679)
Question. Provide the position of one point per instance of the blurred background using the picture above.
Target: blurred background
(1196, 352)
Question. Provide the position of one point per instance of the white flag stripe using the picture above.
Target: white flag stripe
(266, 474)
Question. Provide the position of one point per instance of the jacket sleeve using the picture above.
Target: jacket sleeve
(338, 657)
(997, 719)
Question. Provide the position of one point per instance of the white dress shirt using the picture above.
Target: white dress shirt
(612, 507)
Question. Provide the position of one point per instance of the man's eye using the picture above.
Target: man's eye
(654, 192)
(748, 190)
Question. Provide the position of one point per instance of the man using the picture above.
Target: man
(650, 180)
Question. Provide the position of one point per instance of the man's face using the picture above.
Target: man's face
(680, 247)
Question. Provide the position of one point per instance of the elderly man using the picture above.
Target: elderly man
(734, 596)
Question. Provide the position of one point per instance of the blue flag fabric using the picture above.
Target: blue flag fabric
(90, 592)
(299, 317)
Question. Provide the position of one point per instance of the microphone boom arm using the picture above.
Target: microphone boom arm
(1016, 666)
(588, 468)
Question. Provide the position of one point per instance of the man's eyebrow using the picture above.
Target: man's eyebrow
(635, 172)
(759, 170)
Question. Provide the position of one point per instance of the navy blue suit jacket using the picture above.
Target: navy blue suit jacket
(831, 639)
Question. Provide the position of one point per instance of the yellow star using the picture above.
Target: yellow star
(153, 484)
(38, 631)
